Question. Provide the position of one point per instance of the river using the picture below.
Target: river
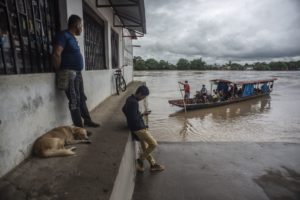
(269, 119)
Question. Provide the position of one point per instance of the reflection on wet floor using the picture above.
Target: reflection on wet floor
(286, 180)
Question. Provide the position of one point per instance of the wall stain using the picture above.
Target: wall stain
(278, 184)
(32, 104)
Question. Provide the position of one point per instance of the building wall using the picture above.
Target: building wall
(30, 104)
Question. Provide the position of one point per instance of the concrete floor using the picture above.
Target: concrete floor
(88, 175)
(225, 170)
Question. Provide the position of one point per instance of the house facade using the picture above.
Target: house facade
(30, 103)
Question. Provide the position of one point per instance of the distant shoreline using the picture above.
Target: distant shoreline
(211, 70)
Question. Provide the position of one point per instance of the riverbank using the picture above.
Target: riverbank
(93, 173)
(223, 171)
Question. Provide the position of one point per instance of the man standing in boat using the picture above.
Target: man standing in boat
(186, 89)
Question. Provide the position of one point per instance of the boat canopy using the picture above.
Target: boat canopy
(243, 82)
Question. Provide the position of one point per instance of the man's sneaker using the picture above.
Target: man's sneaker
(91, 124)
(156, 167)
(139, 165)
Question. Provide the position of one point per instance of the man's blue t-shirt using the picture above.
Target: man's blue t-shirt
(71, 57)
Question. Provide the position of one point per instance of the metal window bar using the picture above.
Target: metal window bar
(29, 35)
(114, 49)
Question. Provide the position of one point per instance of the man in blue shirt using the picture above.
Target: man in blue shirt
(137, 126)
(67, 55)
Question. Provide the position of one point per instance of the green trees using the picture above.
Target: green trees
(139, 63)
(183, 64)
(151, 64)
(198, 64)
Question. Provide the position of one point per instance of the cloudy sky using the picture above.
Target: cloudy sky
(221, 30)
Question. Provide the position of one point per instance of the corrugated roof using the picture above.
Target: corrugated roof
(130, 12)
(244, 82)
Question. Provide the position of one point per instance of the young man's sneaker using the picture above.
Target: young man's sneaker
(156, 167)
(139, 165)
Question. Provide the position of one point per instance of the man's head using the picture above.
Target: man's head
(75, 24)
(186, 81)
(203, 86)
(142, 92)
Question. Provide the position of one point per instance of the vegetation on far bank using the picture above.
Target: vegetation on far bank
(198, 64)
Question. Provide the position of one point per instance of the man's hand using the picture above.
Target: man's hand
(147, 112)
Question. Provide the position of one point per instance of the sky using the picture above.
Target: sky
(219, 31)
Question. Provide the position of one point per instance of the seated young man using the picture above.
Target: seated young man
(137, 126)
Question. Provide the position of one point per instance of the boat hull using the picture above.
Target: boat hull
(193, 106)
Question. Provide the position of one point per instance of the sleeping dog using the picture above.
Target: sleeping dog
(53, 143)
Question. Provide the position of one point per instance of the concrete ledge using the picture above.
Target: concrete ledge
(124, 183)
(103, 170)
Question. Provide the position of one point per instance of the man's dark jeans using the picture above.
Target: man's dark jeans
(77, 100)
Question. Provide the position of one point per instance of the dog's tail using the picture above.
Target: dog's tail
(57, 152)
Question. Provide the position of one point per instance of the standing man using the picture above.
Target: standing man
(67, 55)
(137, 126)
(186, 89)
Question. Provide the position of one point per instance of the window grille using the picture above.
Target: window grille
(114, 49)
(26, 33)
(94, 42)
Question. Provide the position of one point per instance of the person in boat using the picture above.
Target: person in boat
(240, 92)
(232, 91)
(215, 96)
(221, 94)
(235, 90)
(186, 89)
(203, 93)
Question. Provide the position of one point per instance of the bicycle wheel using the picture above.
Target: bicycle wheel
(118, 85)
(122, 84)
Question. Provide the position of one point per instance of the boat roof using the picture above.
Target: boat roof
(244, 82)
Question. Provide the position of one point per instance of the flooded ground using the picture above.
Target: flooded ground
(270, 119)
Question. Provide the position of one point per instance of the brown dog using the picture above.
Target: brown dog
(53, 142)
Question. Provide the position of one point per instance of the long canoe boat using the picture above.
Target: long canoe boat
(250, 90)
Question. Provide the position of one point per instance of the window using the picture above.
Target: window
(94, 42)
(114, 49)
(26, 32)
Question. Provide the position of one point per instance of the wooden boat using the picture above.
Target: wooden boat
(248, 92)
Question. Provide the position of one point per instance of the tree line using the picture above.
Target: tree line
(198, 64)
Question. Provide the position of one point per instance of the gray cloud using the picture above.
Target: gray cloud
(219, 31)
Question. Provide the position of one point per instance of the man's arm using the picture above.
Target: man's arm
(134, 116)
(56, 57)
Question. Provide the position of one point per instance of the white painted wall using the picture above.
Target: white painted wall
(30, 104)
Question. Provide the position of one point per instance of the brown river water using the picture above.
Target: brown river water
(275, 118)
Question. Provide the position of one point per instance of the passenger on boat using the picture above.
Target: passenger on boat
(235, 90)
(240, 92)
(215, 96)
(186, 89)
(203, 94)
(221, 95)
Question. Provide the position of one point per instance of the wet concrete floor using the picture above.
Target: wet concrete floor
(223, 170)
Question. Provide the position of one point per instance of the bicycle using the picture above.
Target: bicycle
(120, 81)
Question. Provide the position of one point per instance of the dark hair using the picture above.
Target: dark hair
(73, 21)
(186, 81)
(143, 90)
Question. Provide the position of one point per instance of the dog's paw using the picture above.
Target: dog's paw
(89, 133)
(72, 148)
(88, 142)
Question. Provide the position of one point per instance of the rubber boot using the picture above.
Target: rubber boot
(76, 118)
